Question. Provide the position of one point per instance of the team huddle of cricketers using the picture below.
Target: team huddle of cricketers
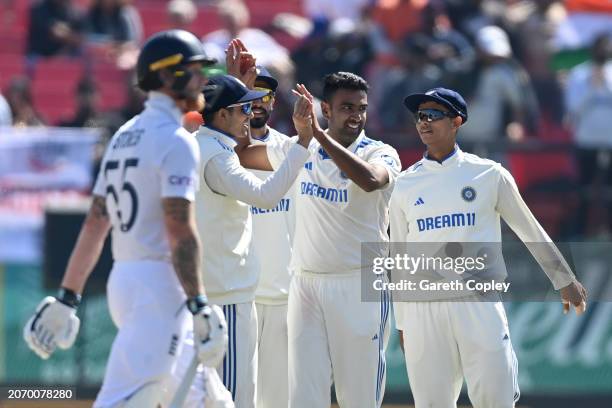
(237, 277)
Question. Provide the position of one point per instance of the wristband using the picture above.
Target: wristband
(197, 303)
(69, 297)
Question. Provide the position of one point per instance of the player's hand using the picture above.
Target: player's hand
(210, 335)
(574, 294)
(317, 131)
(53, 325)
(240, 63)
(302, 109)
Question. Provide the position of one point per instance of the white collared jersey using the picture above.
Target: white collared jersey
(273, 231)
(461, 199)
(333, 214)
(149, 158)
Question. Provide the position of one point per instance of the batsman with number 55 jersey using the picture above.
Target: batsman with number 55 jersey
(145, 192)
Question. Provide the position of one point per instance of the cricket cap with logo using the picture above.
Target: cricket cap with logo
(222, 91)
(447, 97)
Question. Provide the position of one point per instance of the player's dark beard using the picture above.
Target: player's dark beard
(260, 121)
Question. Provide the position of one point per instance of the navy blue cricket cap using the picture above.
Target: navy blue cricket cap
(222, 91)
(264, 75)
(447, 97)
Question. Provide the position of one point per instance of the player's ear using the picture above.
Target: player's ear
(457, 122)
(325, 109)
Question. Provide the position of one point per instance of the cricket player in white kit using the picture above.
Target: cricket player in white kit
(341, 202)
(145, 193)
(223, 204)
(447, 341)
(273, 231)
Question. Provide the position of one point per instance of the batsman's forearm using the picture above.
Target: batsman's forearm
(88, 247)
(186, 258)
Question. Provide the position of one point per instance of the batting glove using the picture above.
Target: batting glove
(210, 331)
(54, 324)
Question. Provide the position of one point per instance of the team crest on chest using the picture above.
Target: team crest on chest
(468, 193)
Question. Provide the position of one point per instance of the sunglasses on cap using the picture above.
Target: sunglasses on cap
(432, 115)
(266, 98)
(246, 108)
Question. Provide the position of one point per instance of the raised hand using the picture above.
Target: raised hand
(240, 63)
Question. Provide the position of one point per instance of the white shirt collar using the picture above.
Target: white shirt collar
(219, 134)
(161, 101)
(450, 161)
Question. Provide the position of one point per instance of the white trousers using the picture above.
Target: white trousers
(272, 370)
(334, 336)
(154, 343)
(239, 367)
(447, 341)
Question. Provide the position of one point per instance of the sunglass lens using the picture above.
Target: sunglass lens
(247, 108)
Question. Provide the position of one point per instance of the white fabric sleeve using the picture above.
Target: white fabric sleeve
(387, 157)
(224, 175)
(277, 150)
(514, 211)
(398, 222)
(179, 169)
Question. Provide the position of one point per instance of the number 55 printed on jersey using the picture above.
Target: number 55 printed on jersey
(126, 192)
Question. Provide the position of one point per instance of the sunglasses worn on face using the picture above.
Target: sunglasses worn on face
(431, 115)
(266, 98)
(246, 108)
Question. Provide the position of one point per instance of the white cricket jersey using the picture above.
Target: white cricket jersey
(223, 214)
(461, 199)
(149, 158)
(273, 230)
(333, 214)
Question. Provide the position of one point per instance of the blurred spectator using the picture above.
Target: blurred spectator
(343, 48)
(6, 117)
(503, 102)
(113, 21)
(87, 114)
(236, 19)
(181, 13)
(55, 28)
(448, 49)
(415, 74)
(588, 97)
(19, 98)
(115, 27)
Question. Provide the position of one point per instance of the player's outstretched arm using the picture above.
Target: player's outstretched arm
(55, 324)
(521, 220)
(368, 176)
(88, 247)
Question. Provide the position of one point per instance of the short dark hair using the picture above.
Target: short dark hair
(208, 116)
(342, 80)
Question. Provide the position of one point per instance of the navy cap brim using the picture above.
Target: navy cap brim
(251, 96)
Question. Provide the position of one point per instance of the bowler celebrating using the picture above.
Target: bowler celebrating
(341, 202)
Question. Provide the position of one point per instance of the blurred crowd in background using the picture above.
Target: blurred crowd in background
(537, 75)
